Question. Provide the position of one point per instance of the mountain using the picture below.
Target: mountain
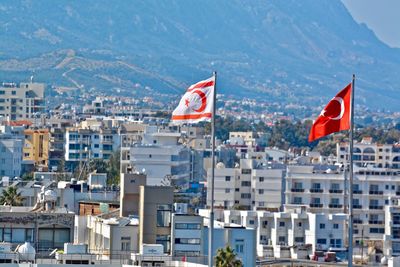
(285, 51)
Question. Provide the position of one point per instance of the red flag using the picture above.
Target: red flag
(196, 104)
(334, 117)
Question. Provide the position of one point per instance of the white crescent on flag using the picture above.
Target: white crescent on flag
(196, 104)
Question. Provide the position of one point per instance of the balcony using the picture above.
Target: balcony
(316, 205)
(335, 191)
(357, 221)
(356, 206)
(375, 222)
(358, 192)
(336, 206)
(316, 190)
(373, 192)
(374, 207)
(297, 190)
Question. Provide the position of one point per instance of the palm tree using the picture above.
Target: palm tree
(226, 257)
(11, 197)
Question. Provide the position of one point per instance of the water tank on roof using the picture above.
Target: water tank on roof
(26, 252)
(50, 195)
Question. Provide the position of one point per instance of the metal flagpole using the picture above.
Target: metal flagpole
(351, 137)
(211, 226)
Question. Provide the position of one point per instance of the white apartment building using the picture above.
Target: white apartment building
(392, 229)
(249, 186)
(186, 235)
(323, 191)
(367, 152)
(161, 157)
(110, 236)
(10, 155)
(293, 233)
(21, 102)
(84, 144)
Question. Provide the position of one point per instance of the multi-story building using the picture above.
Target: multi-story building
(187, 232)
(323, 190)
(367, 152)
(392, 228)
(293, 233)
(10, 155)
(21, 102)
(46, 229)
(249, 186)
(107, 235)
(161, 157)
(155, 211)
(85, 144)
(36, 147)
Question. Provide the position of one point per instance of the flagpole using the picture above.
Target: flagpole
(351, 137)
(211, 224)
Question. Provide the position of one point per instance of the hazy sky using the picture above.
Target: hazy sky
(381, 16)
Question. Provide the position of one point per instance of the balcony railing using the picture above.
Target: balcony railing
(374, 207)
(357, 191)
(373, 192)
(316, 205)
(316, 190)
(375, 222)
(335, 206)
(356, 206)
(297, 190)
(336, 191)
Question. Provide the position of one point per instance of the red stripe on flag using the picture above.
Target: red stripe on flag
(191, 116)
(200, 85)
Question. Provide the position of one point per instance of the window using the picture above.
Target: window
(321, 241)
(261, 191)
(261, 179)
(297, 200)
(251, 222)
(227, 178)
(245, 196)
(377, 230)
(299, 224)
(335, 226)
(227, 190)
(281, 224)
(282, 239)
(336, 243)
(125, 243)
(299, 239)
(188, 241)
(96, 145)
(246, 171)
(164, 215)
(239, 246)
(13, 92)
(165, 241)
(321, 226)
(246, 183)
(188, 226)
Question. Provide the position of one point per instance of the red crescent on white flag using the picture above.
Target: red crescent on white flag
(203, 98)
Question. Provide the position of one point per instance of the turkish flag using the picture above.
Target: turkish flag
(196, 104)
(334, 117)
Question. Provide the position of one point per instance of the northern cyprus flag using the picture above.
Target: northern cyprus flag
(196, 104)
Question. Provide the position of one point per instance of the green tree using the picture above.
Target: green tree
(98, 165)
(11, 197)
(226, 257)
(113, 168)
